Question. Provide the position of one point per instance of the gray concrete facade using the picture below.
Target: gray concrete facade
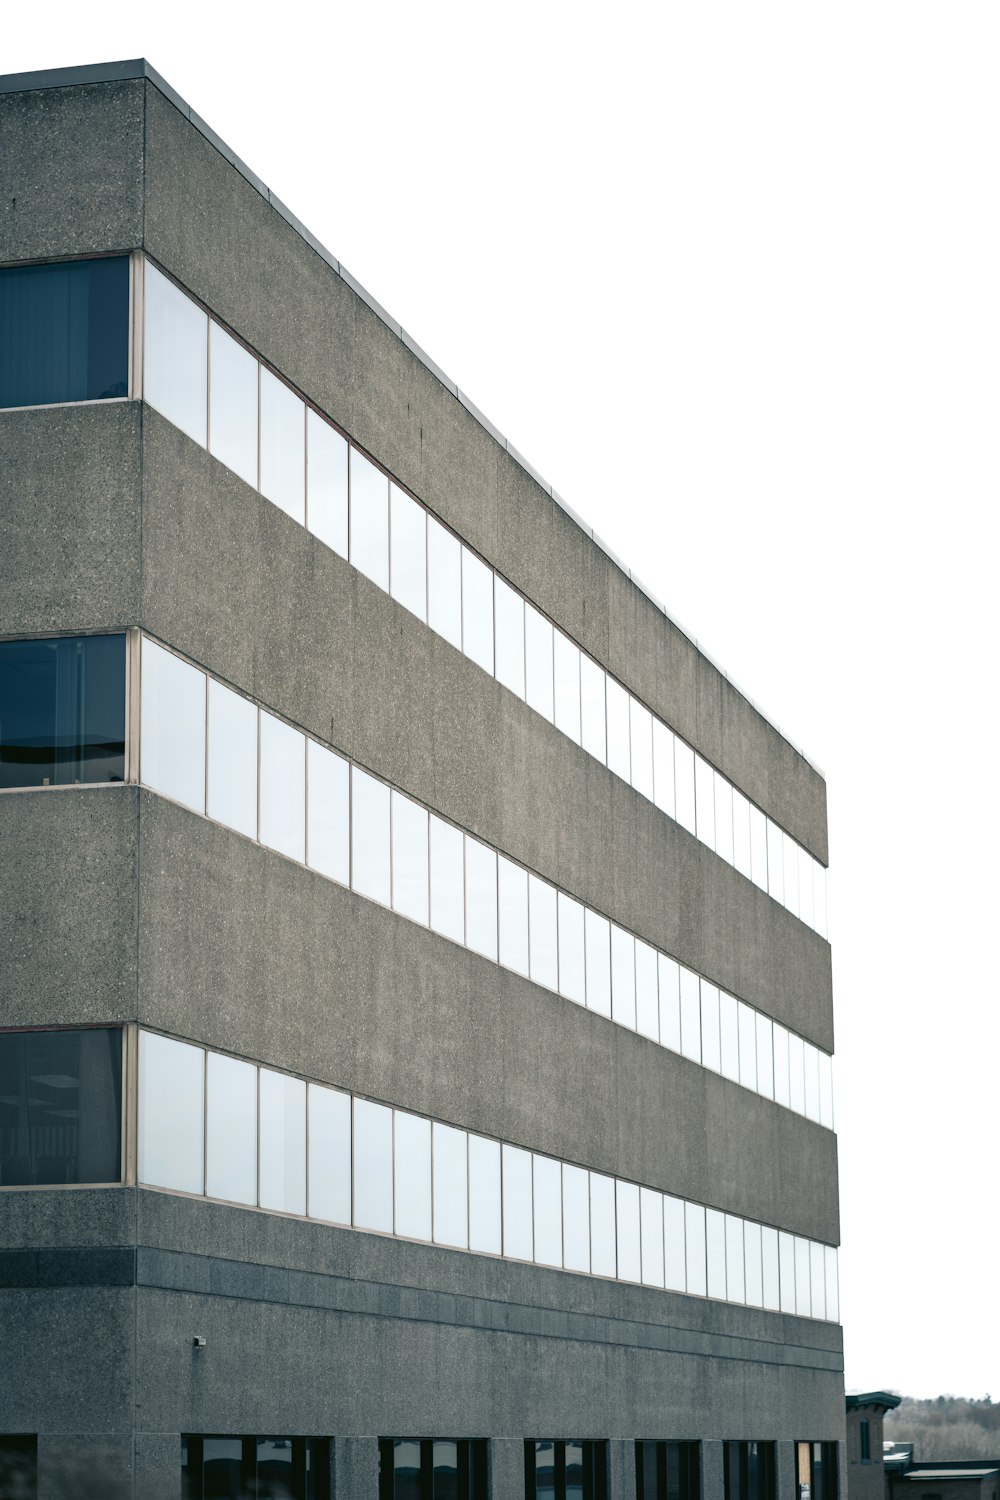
(117, 906)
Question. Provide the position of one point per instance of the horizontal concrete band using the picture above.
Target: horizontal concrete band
(180, 1271)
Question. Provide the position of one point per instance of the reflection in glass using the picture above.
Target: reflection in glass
(62, 711)
(60, 1107)
(517, 1195)
(684, 784)
(641, 740)
(674, 1275)
(512, 903)
(477, 610)
(622, 977)
(730, 1035)
(619, 752)
(369, 520)
(694, 1235)
(329, 849)
(484, 1196)
(326, 482)
(593, 722)
(480, 898)
(735, 1266)
(711, 1039)
(576, 1218)
(173, 726)
(704, 793)
(232, 423)
(64, 332)
(444, 582)
(715, 1244)
(670, 1002)
(412, 1176)
(372, 1166)
(651, 1228)
(663, 768)
(451, 1186)
(690, 1015)
(538, 667)
(232, 759)
(765, 1057)
(566, 670)
(369, 836)
(171, 1113)
(509, 612)
(572, 976)
(627, 1226)
(542, 933)
(547, 1199)
(769, 1263)
(446, 1472)
(647, 1008)
(408, 552)
(603, 1238)
(231, 1148)
(329, 1154)
(282, 1142)
(282, 787)
(723, 818)
(282, 446)
(747, 1024)
(447, 880)
(597, 937)
(409, 859)
(175, 356)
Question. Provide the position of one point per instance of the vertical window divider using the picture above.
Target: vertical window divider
(136, 323)
(130, 1103)
(133, 706)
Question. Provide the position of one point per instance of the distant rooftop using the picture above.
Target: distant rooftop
(117, 72)
(884, 1399)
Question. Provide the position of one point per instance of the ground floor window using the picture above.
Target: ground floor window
(816, 1466)
(750, 1471)
(572, 1469)
(432, 1468)
(18, 1466)
(255, 1468)
(667, 1471)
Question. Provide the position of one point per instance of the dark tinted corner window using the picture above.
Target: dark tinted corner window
(62, 711)
(60, 1107)
(750, 1471)
(18, 1466)
(432, 1468)
(667, 1471)
(569, 1469)
(816, 1471)
(64, 332)
(255, 1468)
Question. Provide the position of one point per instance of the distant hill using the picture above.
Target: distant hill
(946, 1427)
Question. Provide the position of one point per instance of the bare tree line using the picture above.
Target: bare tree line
(955, 1427)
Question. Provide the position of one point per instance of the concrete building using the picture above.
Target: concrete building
(415, 998)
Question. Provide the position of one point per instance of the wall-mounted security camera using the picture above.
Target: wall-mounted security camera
(198, 1341)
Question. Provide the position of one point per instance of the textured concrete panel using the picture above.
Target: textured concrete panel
(68, 1360)
(68, 906)
(89, 1217)
(70, 501)
(71, 171)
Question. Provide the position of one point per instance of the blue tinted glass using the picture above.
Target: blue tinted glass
(60, 1107)
(62, 711)
(64, 332)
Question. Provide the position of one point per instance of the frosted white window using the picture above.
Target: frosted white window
(775, 862)
(171, 1114)
(715, 1243)
(597, 937)
(641, 742)
(326, 482)
(518, 1241)
(480, 898)
(704, 792)
(548, 1211)
(651, 1232)
(674, 1274)
(812, 1081)
(758, 847)
(451, 1187)
(603, 1255)
(412, 1176)
(796, 1073)
(409, 859)
(484, 1196)
(647, 1008)
(370, 836)
(817, 1279)
(369, 520)
(819, 899)
(282, 1142)
(576, 1218)
(566, 673)
(723, 818)
(447, 880)
(372, 1166)
(232, 426)
(231, 1129)
(735, 1274)
(508, 609)
(832, 1287)
(175, 376)
(791, 879)
(803, 1295)
(444, 582)
(826, 1090)
(690, 1015)
(663, 768)
(754, 1264)
(282, 446)
(173, 726)
(408, 552)
(542, 933)
(730, 1037)
(741, 833)
(623, 977)
(748, 1045)
(572, 979)
(786, 1263)
(477, 610)
(329, 821)
(765, 1057)
(538, 667)
(329, 1154)
(694, 1234)
(619, 752)
(512, 902)
(711, 1038)
(232, 759)
(593, 720)
(806, 888)
(670, 1002)
(627, 1227)
(779, 1036)
(769, 1258)
(684, 784)
(282, 787)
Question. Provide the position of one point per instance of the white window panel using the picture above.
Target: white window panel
(543, 933)
(444, 583)
(597, 934)
(670, 1002)
(811, 1057)
(173, 726)
(628, 1231)
(786, 1266)
(711, 1037)
(647, 1007)
(326, 483)
(572, 963)
(771, 1276)
(451, 1186)
(758, 848)
(372, 1166)
(684, 784)
(753, 1261)
(730, 1037)
(663, 768)
(171, 1114)
(485, 1233)
(512, 902)
(622, 977)
(704, 792)
(232, 759)
(231, 1130)
(735, 1260)
(447, 880)
(790, 851)
(509, 616)
(724, 819)
(820, 900)
(282, 446)
(477, 611)
(832, 1284)
(603, 1254)
(779, 1038)
(576, 1218)
(282, 787)
(282, 1142)
(408, 552)
(548, 1211)
(412, 1176)
(803, 1292)
(410, 873)
(566, 675)
(369, 520)
(715, 1244)
(641, 745)
(329, 813)
(232, 423)
(674, 1271)
(593, 713)
(518, 1238)
(175, 356)
(651, 1234)
(817, 1279)
(538, 666)
(480, 898)
(741, 833)
(765, 1056)
(806, 912)
(370, 843)
(619, 744)
(329, 1154)
(775, 862)
(797, 1073)
(745, 1019)
(826, 1090)
(694, 1235)
(690, 1015)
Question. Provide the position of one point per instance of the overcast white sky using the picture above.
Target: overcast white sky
(729, 276)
